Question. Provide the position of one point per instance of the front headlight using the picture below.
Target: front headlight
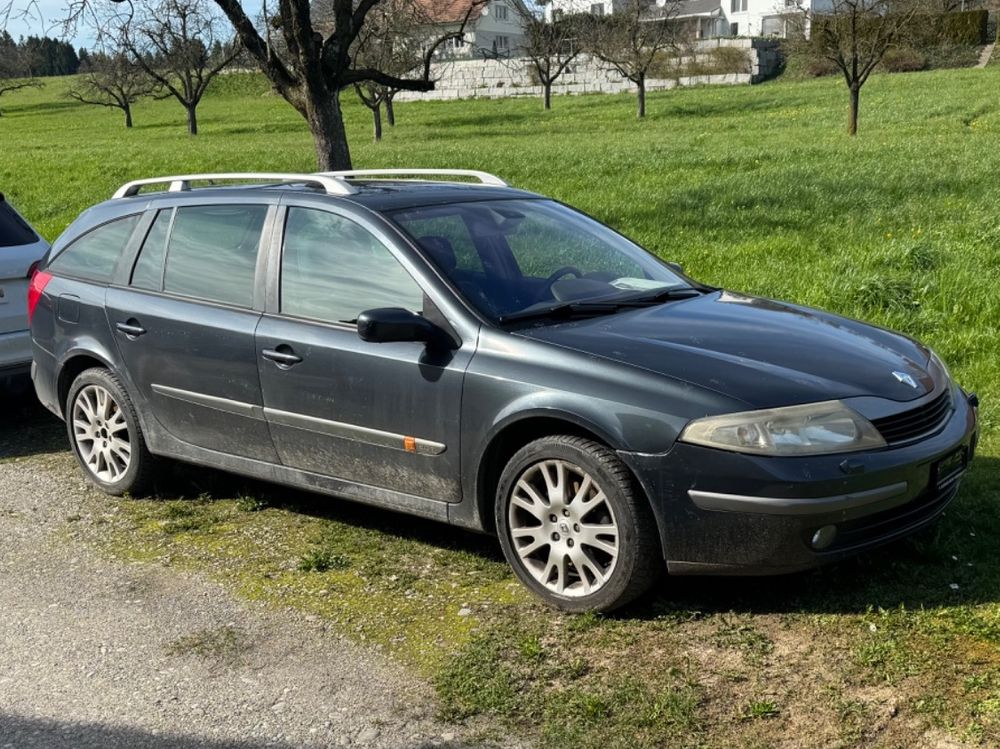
(811, 429)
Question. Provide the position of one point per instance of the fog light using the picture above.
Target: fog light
(824, 537)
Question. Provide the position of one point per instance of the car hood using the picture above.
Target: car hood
(762, 352)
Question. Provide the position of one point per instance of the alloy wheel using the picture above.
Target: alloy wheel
(101, 433)
(563, 528)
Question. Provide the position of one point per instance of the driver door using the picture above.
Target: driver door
(381, 414)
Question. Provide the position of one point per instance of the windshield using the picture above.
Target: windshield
(511, 257)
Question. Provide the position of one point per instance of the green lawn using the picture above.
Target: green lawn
(757, 189)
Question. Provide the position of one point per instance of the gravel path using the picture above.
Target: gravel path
(97, 653)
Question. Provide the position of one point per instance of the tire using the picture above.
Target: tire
(105, 435)
(598, 554)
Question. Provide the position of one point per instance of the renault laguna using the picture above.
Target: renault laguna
(441, 344)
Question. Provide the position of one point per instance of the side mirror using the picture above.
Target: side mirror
(392, 324)
(677, 267)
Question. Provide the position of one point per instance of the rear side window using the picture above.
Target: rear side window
(14, 230)
(212, 252)
(333, 269)
(94, 255)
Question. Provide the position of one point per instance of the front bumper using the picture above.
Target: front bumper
(729, 513)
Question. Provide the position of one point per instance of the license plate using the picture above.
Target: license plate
(949, 466)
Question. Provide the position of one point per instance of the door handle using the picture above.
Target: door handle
(132, 329)
(282, 358)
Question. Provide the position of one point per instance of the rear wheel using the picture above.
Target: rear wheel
(574, 526)
(105, 434)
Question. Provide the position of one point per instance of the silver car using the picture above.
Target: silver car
(20, 250)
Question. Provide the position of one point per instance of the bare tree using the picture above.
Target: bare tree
(634, 39)
(308, 65)
(390, 41)
(115, 81)
(854, 35)
(549, 47)
(14, 69)
(316, 66)
(180, 45)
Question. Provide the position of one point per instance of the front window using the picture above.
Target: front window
(333, 269)
(509, 257)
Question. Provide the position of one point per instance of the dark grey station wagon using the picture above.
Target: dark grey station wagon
(490, 358)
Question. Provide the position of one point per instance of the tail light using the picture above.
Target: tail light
(39, 280)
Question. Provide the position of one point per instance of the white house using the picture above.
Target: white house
(707, 18)
(492, 29)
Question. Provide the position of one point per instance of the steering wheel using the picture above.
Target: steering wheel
(553, 277)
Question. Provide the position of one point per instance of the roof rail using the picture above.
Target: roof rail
(181, 183)
(484, 178)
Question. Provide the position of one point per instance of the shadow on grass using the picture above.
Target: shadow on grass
(19, 110)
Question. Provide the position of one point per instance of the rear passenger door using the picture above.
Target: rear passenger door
(185, 324)
(381, 414)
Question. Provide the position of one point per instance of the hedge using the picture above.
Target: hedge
(958, 27)
(932, 30)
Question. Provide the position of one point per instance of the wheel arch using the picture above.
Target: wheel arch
(70, 368)
(517, 431)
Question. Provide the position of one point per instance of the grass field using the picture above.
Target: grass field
(757, 189)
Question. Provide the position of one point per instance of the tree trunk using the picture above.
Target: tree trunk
(377, 119)
(641, 85)
(326, 123)
(128, 115)
(852, 117)
(547, 95)
(192, 110)
(390, 113)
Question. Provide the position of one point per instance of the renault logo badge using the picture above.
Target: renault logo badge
(905, 379)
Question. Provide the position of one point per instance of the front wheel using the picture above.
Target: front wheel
(574, 526)
(105, 434)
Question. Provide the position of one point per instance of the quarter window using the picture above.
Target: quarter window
(94, 255)
(148, 271)
(333, 269)
(212, 252)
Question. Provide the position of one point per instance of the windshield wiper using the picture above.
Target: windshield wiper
(568, 310)
(659, 296)
(563, 311)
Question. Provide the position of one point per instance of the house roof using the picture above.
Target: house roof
(688, 8)
(451, 11)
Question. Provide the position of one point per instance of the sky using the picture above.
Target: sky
(45, 17)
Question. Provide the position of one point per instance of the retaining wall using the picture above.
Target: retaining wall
(492, 79)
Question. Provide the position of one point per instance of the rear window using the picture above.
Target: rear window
(94, 255)
(14, 230)
(212, 252)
